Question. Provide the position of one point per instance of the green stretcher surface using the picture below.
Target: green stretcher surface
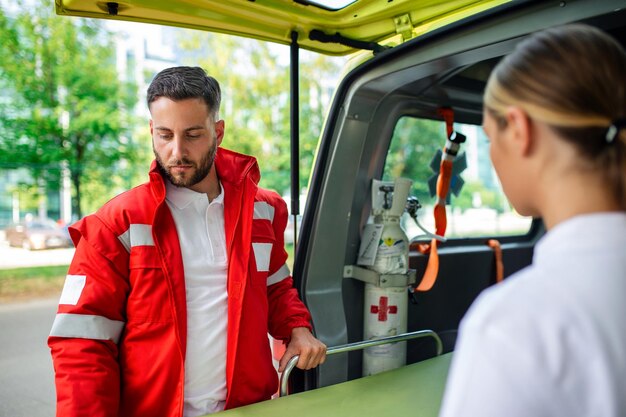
(413, 390)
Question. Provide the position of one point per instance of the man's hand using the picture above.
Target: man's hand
(312, 352)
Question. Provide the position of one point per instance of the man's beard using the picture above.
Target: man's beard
(200, 172)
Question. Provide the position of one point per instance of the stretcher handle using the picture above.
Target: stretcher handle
(284, 378)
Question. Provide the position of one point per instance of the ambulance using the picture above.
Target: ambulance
(387, 285)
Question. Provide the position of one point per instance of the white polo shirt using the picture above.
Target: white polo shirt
(551, 340)
(200, 227)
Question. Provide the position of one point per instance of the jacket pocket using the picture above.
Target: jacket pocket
(144, 257)
(148, 295)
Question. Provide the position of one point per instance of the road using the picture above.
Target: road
(26, 373)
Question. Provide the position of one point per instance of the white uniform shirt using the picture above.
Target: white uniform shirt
(200, 227)
(550, 340)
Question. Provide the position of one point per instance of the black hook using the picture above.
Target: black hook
(113, 8)
(412, 295)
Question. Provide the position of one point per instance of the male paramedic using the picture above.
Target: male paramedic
(175, 284)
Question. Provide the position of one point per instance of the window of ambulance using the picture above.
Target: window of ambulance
(480, 209)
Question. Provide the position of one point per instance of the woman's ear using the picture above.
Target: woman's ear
(520, 130)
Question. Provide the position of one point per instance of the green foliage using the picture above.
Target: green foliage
(255, 100)
(24, 283)
(35, 272)
(475, 194)
(413, 146)
(64, 102)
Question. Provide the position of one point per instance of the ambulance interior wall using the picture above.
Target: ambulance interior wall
(442, 308)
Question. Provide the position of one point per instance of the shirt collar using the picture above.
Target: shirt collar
(181, 197)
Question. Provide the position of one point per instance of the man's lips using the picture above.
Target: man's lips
(180, 168)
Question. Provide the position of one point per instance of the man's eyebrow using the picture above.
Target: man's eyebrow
(198, 127)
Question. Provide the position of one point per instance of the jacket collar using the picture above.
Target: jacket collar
(234, 168)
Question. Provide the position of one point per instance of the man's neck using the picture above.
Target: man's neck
(210, 185)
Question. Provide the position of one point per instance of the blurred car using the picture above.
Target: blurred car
(38, 234)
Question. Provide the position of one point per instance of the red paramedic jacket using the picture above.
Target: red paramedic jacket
(118, 339)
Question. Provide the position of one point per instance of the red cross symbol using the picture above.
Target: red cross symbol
(383, 308)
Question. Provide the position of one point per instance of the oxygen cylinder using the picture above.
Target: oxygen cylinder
(386, 308)
(388, 204)
(385, 315)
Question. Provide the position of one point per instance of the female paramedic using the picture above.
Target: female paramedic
(551, 339)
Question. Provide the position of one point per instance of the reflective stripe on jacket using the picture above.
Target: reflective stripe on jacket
(118, 340)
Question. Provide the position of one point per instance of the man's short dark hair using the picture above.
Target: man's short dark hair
(180, 83)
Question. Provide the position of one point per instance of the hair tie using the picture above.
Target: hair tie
(616, 126)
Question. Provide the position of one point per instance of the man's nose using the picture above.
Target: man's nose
(178, 148)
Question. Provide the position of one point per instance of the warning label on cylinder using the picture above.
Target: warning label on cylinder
(391, 257)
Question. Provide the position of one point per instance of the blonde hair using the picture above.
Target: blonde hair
(573, 78)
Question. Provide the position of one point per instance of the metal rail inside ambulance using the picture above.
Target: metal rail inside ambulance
(358, 269)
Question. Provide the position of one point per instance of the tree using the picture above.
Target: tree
(66, 105)
(413, 145)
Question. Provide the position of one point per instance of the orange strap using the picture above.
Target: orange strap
(448, 116)
(443, 185)
(441, 221)
(497, 255)
(432, 267)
